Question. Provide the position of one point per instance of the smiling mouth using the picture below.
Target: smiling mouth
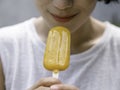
(64, 19)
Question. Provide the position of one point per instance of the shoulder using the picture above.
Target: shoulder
(114, 31)
(14, 32)
(113, 28)
(113, 36)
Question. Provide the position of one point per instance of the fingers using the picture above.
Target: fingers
(42, 88)
(63, 87)
(46, 82)
(52, 84)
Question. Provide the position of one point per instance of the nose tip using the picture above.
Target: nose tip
(63, 4)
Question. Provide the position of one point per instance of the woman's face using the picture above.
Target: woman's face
(69, 13)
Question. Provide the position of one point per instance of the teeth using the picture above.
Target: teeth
(57, 53)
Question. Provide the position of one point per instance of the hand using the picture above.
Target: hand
(63, 87)
(51, 84)
(45, 83)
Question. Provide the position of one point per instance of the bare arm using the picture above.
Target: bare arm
(2, 84)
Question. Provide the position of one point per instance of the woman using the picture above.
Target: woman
(95, 59)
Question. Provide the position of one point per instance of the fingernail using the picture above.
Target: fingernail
(54, 87)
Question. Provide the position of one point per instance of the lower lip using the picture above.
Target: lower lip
(67, 19)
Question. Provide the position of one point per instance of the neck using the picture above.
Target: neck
(86, 36)
(41, 29)
(82, 39)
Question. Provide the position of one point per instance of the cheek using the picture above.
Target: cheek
(90, 5)
(86, 5)
(91, 8)
(42, 3)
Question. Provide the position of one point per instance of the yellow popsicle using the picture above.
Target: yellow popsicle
(57, 52)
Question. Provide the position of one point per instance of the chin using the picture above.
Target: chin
(72, 27)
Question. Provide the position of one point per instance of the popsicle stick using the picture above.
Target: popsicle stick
(55, 74)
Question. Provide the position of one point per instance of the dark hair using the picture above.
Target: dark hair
(108, 1)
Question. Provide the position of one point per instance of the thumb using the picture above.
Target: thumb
(46, 82)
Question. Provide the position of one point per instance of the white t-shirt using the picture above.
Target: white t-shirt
(22, 51)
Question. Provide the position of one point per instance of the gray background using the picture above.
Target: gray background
(15, 11)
